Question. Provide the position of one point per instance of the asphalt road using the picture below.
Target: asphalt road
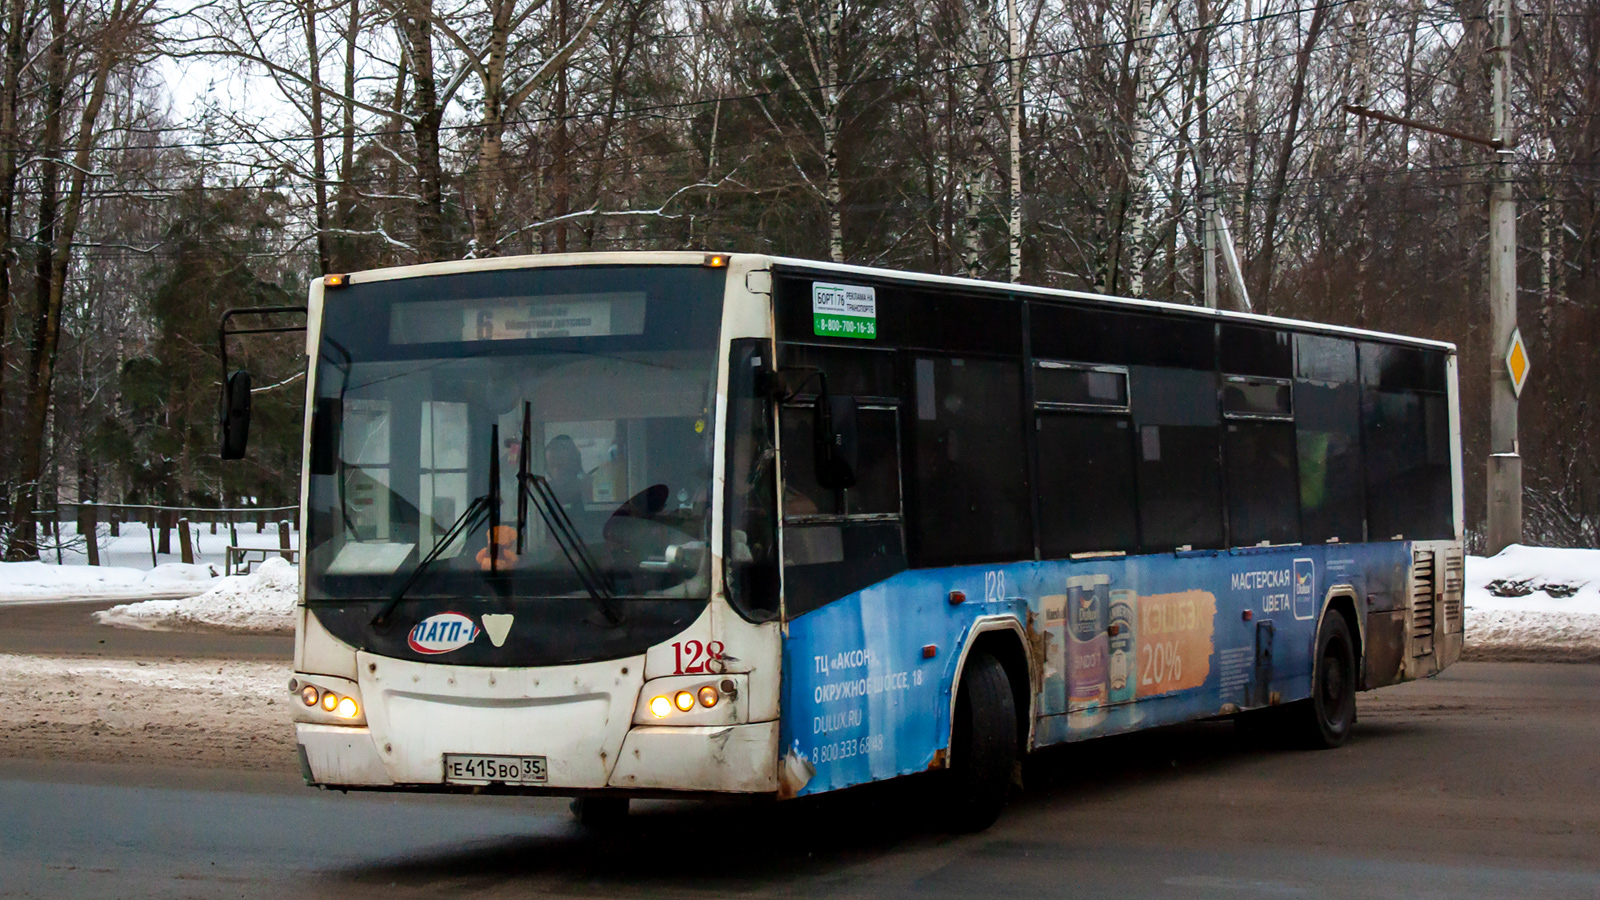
(1484, 782)
(68, 629)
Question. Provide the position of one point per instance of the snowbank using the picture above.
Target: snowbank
(261, 602)
(1534, 604)
(33, 581)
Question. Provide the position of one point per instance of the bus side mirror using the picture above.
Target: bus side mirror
(835, 441)
(235, 415)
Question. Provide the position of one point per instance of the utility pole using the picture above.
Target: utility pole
(1014, 223)
(1218, 239)
(1505, 460)
(1208, 211)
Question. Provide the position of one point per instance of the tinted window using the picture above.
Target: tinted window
(877, 488)
(1263, 505)
(1096, 335)
(801, 495)
(1086, 484)
(1402, 368)
(837, 542)
(863, 372)
(954, 323)
(1180, 487)
(1078, 385)
(751, 499)
(1406, 439)
(1177, 454)
(1321, 358)
(1328, 443)
(1257, 351)
(966, 486)
(1174, 396)
(1256, 397)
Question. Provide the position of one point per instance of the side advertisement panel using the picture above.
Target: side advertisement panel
(1120, 644)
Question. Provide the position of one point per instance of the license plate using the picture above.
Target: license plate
(472, 768)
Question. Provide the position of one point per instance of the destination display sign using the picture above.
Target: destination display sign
(519, 318)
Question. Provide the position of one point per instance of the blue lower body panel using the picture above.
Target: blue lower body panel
(1116, 643)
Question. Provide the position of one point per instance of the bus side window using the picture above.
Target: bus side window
(838, 542)
(1177, 458)
(1086, 470)
(966, 474)
(1262, 468)
(1405, 437)
(1328, 440)
(751, 501)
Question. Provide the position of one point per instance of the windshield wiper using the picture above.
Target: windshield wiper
(536, 489)
(482, 508)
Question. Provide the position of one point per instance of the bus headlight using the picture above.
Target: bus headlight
(690, 700)
(322, 704)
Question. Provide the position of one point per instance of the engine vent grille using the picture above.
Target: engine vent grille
(1454, 583)
(1422, 601)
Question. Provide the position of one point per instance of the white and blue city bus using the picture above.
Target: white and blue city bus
(645, 524)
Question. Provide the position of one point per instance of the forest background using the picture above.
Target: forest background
(163, 160)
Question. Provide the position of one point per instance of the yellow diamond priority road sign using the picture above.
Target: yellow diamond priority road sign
(1517, 362)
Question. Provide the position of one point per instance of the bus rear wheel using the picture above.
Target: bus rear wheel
(983, 747)
(1326, 719)
(600, 813)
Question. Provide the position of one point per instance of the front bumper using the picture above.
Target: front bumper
(581, 718)
(655, 759)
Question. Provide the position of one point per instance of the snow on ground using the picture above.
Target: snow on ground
(37, 581)
(127, 572)
(1534, 604)
(262, 601)
(167, 712)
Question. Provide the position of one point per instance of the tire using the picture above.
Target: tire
(1325, 721)
(983, 747)
(600, 813)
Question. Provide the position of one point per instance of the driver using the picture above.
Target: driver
(564, 466)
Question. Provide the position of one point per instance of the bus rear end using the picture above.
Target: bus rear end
(512, 490)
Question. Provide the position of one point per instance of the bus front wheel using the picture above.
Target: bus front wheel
(983, 746)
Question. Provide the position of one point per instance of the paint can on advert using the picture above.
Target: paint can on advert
(1053, 691)
(1087, 692)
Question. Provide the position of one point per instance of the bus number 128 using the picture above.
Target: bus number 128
(700, 656)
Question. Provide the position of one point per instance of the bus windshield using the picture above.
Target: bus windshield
(519, 434)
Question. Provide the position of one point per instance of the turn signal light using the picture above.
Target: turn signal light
(708, 696)
(683, 700)
(308, 695)
(660, 707)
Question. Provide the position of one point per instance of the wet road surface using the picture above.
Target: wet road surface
(68, 629)
(1484, 782)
